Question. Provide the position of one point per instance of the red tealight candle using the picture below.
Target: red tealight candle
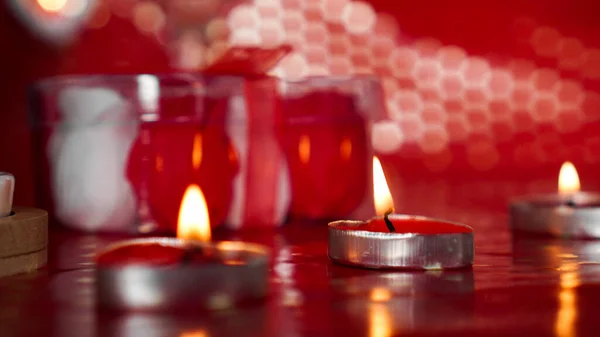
(569, 213)
(412, 225)
(185, 272)
(400, 241)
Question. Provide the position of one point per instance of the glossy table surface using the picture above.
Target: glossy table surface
(519, 286)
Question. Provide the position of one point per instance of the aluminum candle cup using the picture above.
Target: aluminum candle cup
(568, 216)
(159, 274)
(418, 243)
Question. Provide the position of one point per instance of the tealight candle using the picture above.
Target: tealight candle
(188, 272)
(569, 213)
(399, 241)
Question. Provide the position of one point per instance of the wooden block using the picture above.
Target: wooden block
(23, 241)
(23, 263)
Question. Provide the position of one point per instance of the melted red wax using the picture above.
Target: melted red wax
(155, 254)
(417, 226)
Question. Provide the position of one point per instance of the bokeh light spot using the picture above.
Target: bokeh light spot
(243, 16)
(387, 137)
(544, 108)
(545, 41)
(148, 17)
(412, 127)
(591, 65)
(434, 139)
(451, 57)
(570, 53)
(569, 120)
(433, 114)
(499, 109)
(427, 73)
(458, 128)
(427, 47)
(475, 71)
(403, 61)
(500, 84)
(408, 102)
(482, 155)
(570, 93)
(545, 79)
(478, 119)
(521, 96)
(451, 86)
(358, 17)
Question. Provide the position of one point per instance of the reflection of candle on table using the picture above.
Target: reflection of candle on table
(399, 241)
(569, 213)
(184, 272)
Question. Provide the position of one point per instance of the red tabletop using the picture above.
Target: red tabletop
(518, 286)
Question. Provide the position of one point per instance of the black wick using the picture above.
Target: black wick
(388, 222)
(571, 203)
(188, 254)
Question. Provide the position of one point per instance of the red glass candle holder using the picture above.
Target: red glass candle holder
(116, 153)
(326, 137)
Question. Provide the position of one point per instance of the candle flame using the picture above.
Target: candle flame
(568, 180)
(381, 191)
(193, 222)
(52, 6)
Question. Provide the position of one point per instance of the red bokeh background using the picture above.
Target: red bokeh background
(544, 55)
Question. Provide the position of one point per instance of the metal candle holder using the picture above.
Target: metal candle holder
(400, 250)
(192, 285)
(568, 216)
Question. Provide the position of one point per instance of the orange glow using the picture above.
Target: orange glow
(380, 320)
(567, 298)
(197, 151)
(193, 222)
(380, 295)
(159, 164)
(304, 149)
(381, 191)
(196, 333)
(346, 148)
(52, 6)
(568, 180)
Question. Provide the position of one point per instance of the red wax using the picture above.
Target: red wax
(411, 225)
(158, 255)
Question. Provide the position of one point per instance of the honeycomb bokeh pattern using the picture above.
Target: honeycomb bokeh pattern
(439, 97)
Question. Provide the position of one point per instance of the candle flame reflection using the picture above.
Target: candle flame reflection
(197, 151)
(193, 222)
(381, 191)
(304, 149)
(567, 298)
(568, 179)
(380, 295)
(380, 320)
(196, 333)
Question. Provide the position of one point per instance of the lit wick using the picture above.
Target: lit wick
(188, 254)
(388, 222)
(568, 183)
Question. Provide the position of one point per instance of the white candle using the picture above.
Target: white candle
(7, 188)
